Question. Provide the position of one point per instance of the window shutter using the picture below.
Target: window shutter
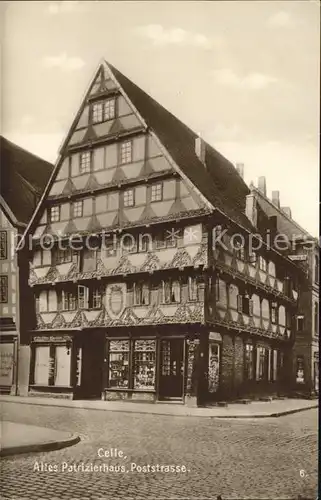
(83, 297)
(239, 303)
(251, 307)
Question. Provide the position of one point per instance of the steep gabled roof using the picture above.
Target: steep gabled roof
(23, 177)
(219, 181)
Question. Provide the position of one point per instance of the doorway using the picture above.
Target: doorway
(171, 379)
(90, 367)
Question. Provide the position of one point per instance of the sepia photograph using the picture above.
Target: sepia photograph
(159, 250)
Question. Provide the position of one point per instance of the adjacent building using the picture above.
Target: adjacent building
(304, 249)
(145, 280)
(23, 177)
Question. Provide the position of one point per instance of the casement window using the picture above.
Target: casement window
(140, 374)
(77, 208)
(245, 305)
(316, 317)
(157, 192)
(252, 258)
(274, 312)
(109, 109)
(62, 256)
(95, 299)
(261, 363)
(300, 323)
(128, 244)
(52, 364)
(145, 243)
(141, 293)
(68, 301)
(118, 364)
(88, 260)
(193, 289)
(85, 162)
(129, 198)
(249, 362)
(167, 238)
(171, 292)
(316, 269)
(144, 364)
(47, 301)
(262, 264)
(97, 112)
(54, 213)
(126, 152)
(4, 289)
(83, 297)
(3, 245)
(110, 247)
(239, 251)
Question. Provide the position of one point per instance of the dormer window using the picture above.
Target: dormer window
(126, 152)
(85, 162)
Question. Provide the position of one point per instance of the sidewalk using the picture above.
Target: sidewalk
(255, 409)
(20, 438)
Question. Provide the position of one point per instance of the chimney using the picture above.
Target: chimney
(200, 149)
(276, 198)
(287, 211)
(250, 209)
(240, 169)
(261, 185)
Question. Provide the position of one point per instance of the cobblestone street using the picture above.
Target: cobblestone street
(254, 458)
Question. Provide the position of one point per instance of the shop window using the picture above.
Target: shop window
(4, 289)
(141, 294)
(52, 365)
(62, 366)
(300, 370)
(126, 152)
(54, 214)
(3, 245)
(249, 362)
(316, 317)
(85, 162)
(68, 301)
(144, 364)
(245, 305)
(62, 256)
(41, 373)
(261, 363)
(157, 192)
(213, 367)
(274, 312)
(171, 292)
(262, 264)
(119, 364)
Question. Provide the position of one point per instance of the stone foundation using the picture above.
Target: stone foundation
(130, 396)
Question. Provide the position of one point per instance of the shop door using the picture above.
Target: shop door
(171, 369)
(91, 368)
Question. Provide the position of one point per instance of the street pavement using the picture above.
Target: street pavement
(266, 458)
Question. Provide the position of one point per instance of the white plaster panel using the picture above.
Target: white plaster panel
(111, 155)
(123, 107)
(63, 172)
(99, 159)
(139, 148)
(88, 206)
(159, 164)
(83, 120)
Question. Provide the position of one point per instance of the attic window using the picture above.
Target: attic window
(109, 109)
(97, 112)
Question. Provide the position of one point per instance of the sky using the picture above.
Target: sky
(243, 74)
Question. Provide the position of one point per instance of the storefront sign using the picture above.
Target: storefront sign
(52, 338)
(6, 364)
(215, 336)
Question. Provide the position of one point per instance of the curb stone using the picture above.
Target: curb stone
(48, 446)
